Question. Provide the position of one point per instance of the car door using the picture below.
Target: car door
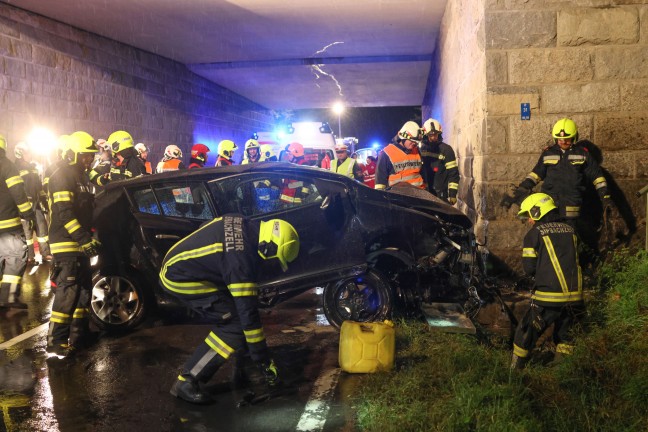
(322, 214)
(169, 211)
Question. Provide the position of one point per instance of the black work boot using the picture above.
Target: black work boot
(518, 362)
(60, 350)
(187, 389)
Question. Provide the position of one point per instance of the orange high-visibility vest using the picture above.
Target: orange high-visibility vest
(169, 165)
(407, 167)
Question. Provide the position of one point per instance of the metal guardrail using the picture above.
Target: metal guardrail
(644, 191)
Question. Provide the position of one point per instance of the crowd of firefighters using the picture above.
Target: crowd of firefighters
(417, 156)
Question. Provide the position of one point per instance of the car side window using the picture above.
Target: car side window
(184, 200)
(145, 201)
(254, 195)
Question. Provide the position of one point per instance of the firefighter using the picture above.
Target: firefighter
(129, 165)
(344, 164)
(252, 152)
(226, 149)
(214, 272)
(142, 154)
(56, 160)
(198, 156)
(171, 161)
(400, 161)
(38, 199)
(293, 191)
(14, 205)
(550, 255)
(440, 171)
(267, 153)
(72, 245)
(369, 172)
(563, 168)
(100, 171)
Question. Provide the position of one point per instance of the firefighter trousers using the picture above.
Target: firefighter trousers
(70, 311)
(224, 339)
(41, 235)
(539, 318)
(13, 260)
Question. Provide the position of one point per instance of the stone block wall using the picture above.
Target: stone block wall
(64, 79)
(584, 59)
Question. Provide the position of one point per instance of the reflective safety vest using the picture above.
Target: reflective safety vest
(407, 167)
(345, 168)
(170, 165)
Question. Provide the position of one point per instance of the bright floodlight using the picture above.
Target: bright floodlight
(41, 140)
(338, 108)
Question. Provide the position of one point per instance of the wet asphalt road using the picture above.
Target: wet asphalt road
(122, 382)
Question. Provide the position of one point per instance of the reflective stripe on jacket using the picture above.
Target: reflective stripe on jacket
(407, 167)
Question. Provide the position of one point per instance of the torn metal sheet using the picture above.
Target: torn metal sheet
(448, 317)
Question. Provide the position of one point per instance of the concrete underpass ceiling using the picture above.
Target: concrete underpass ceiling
(273, 51)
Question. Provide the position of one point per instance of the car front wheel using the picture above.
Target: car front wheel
(364, 298)
(117, 302)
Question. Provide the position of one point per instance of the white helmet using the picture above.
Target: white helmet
(20, 149)
(341, 147)
(410, 131)
(432, 125)
(141, 148)
(173, 152)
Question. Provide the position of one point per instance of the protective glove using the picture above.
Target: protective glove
(452, 200)
(270, 373)
(516, 198)
(91, 248)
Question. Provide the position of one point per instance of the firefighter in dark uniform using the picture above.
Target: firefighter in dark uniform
(38, 200)
(213, 271)
(130, 166)
(550, 255)
(440, 170)
(563, 168)
(14, 205)
(400, 161)
(71, 242)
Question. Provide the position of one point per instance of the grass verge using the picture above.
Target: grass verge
(454, 382)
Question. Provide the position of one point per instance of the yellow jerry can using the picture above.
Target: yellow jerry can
(366, 347)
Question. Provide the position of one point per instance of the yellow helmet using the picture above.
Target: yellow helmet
(536, 206)
(278, 239)
(267, 153)
(226, 149)
(410, 131)
(3, 143)
(62, 145)
(79, 143)
(120, 140)
(564, 129)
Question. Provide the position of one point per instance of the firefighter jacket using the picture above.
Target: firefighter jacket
(195, 163)
(13, 199)
(97, 174)
(220, 259)
(350, 168)
(440, 170)
(48, 173)
(550, 254)
(71, 208)
(294, 191)
(396, 164)
(221, 161)
(564, 174)
(32, 181)
(169, 165)
(130, 167)
(369, 174)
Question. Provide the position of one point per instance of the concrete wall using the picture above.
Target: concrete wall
(55, 76)
(456, 96)
(584, 59)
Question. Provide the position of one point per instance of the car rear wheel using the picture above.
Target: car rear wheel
(363, 298)
(117, 303)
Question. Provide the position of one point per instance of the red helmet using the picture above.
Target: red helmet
(199, 151)
(295, 149)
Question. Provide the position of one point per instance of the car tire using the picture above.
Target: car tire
(117, 303)
(364, 298)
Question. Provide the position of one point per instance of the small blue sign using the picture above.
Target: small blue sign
(526, 111)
